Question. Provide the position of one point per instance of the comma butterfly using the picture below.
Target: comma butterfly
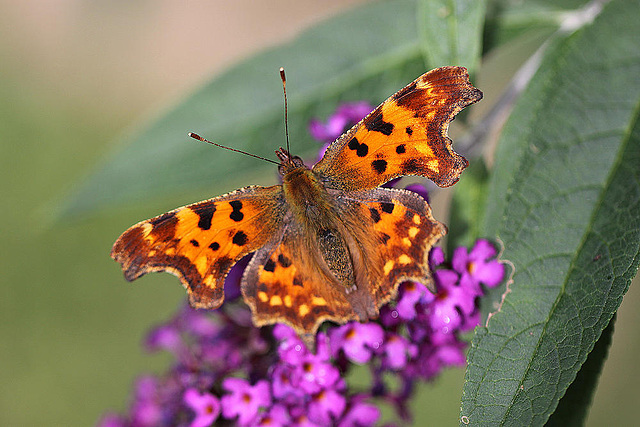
(329, 243)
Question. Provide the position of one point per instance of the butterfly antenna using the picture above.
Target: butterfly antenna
(199, 138)
(286, 118)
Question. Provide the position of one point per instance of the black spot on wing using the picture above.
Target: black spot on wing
(270, 266)
(195, 243)
(205, 211)
(409, 130)
(401, 149)
(214, 246)
(385, 237)
(297, 281)
(375, 215)
(387, 207)
(240, 238)
(284, 261)
(380, 166)
(360, 149)
(236, 215)
(375, 123)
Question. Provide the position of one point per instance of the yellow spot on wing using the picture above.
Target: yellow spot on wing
(275, 300)
(416, 219)
(413, 231)
(404, 259)
(318, 301)
(387, 267)
(406, 241)
(262, 295)
(303, 309)
(287, 300)
(202, 264)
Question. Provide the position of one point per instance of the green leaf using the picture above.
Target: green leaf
(367, 53)
(565, 201)
(468, 206)
(573, 407)
(507, 20)
(451, 31)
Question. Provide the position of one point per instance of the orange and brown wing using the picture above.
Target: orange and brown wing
(405, 231)
(284, 283)
(199, 243)
(405, 135)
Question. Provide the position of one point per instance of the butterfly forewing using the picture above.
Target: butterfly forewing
(405, 135)
(199, 243)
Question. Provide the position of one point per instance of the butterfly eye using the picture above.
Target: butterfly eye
(297, 161)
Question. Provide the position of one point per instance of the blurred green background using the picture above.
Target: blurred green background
(77, 75)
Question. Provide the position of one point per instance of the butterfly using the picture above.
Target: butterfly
(328, 244)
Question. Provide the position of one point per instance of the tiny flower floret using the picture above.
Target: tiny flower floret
(205, 405)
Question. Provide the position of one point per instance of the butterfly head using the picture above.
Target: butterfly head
(287, 161)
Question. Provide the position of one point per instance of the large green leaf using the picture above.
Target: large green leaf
(451, 31)
(564, 200)
(574, 405)
(367, 53)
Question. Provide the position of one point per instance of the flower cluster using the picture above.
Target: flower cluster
(228, 372)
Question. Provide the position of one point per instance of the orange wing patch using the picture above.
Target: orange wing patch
(405, 135)
(200, 242)
(284, 284)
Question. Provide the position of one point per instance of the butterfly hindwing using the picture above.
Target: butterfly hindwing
(199, 243)
(285, 283)
(405, 232)
(405, 135)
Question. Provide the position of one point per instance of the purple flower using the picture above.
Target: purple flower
(234, 277)
(411, 293)
(165, 337)
(277, 416)
(452, 302)
(436, 257)
(477, 265)
(315, 373)
(357, 340)
(346, 115)
(397, 351)
(419, 189)
(244, 400)
(146, 410)
(361, 414)
(442, 351)
(205, 405)
(219, 354)
(326, 406)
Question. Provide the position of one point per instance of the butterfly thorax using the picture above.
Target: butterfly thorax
(310, 203)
